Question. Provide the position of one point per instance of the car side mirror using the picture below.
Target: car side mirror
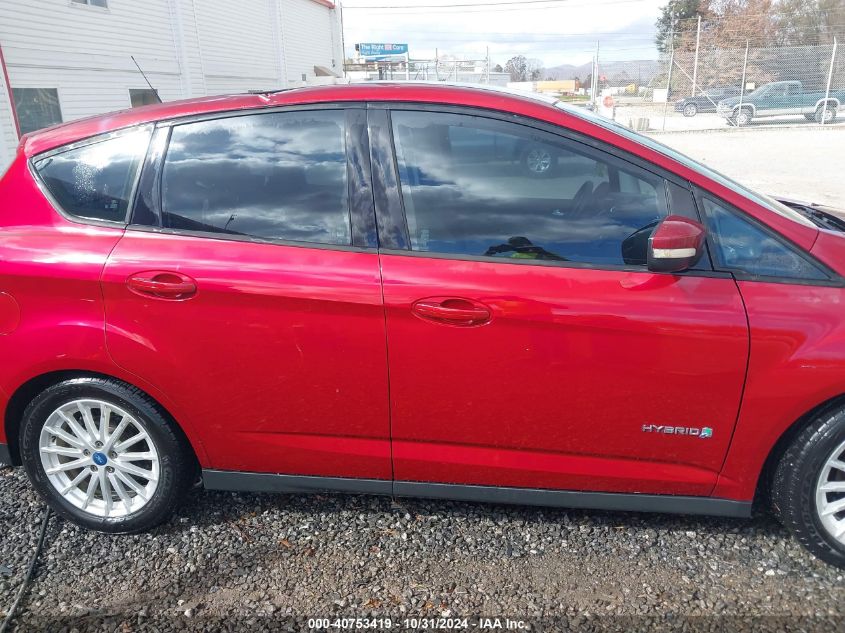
(675, 245)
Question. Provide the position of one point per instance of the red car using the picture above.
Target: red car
(362, 289)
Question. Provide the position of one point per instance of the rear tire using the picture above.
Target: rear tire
(690, 109)
(826, 113)
(87, 444)
(805, 488)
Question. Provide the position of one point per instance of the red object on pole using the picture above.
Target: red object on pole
(9, 91)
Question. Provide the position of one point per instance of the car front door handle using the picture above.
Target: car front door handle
(161, 284)
(452, 311)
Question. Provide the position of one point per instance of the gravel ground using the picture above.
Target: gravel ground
(253, 562)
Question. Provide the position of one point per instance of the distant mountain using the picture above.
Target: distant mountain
(640, 72)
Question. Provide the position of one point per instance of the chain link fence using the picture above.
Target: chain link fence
(711, 88)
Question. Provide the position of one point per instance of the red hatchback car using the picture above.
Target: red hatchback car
(413, 290)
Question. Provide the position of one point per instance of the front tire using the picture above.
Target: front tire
(103, 455)
(742, 118)
(808, 487)
(690, 109)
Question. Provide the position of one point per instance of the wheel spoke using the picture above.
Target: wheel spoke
(138, 488)
(136, 457)
(73, 441)
(121, 491)
(76, 481)
(118, 431)
(92, 429)
(93, 483)
(76, 463)
(130, 442)
(134, 470)
(62, 450)
(105, 490)
(838, 464)
(833, 508)
(833, 486)
(74, 427)
(105, 414)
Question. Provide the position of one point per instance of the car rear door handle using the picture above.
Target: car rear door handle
(452, 311)
(162, 284)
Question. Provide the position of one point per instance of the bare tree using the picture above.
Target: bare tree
(517, 68)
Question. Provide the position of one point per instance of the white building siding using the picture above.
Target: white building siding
(186, 48)
(305, 26)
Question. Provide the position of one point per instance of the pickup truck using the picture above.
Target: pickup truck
(781, 98)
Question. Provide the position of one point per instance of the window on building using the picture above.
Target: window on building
(477, 186)
(743, 246)
(36, 108)
(93, 3)
(276, 176)
(142, 97)
(95, 181)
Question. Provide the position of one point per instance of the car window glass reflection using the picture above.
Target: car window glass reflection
(476, 186)
(275, 176)
(744, 247)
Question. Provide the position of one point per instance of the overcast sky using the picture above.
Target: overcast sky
(554, 31)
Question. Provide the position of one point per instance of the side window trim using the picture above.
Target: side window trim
(359, 179)
(389, 206)
(149, 180)
(834, 279)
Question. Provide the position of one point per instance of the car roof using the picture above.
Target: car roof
(494, 97)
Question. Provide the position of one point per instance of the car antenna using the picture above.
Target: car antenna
(155, 92)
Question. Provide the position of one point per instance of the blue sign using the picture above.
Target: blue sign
(381, 50)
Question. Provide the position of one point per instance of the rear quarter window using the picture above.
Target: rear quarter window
(95, 181)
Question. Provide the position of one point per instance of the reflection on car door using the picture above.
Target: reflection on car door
(528, 345)
(244, 296)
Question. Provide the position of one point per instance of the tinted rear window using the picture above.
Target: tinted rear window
(96, 181)
(275, 176)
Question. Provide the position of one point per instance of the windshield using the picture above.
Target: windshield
(686, 161)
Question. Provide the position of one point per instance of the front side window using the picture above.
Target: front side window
(746, 248)
(95, 181)
(36, 108)
(277, 175)
(482, 187)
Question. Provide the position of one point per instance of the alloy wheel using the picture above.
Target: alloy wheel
(538, 160)
(830, 494)
(99, 458)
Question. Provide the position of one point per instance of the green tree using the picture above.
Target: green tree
(678, 20)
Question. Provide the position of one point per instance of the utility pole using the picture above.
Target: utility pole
(671, 65)
(487, 64)
(595, 80)
(742, 87)
(407, 66)
(829, 78)
(695, 66)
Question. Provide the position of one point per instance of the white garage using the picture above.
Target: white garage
(66, 59)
